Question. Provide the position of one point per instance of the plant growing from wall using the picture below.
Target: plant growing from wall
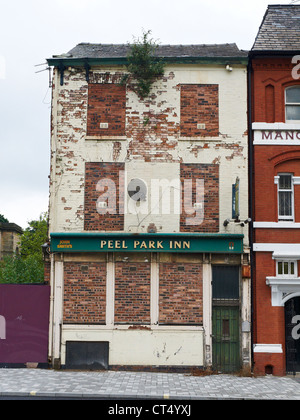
(142, 65)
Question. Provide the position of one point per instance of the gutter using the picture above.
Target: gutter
(272, 53)
(62, 63)
(68, 61)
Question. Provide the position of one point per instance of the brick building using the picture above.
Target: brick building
(275, 113)
(148, 202)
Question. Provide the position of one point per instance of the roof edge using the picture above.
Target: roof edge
(10, 227)
(81, 62)
(269, 53)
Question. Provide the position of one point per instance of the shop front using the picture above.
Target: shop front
(154, 300)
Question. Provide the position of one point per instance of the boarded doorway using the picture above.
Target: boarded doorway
(226, 318)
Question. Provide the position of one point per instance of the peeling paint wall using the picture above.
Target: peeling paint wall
(153, 146)
(152, 135)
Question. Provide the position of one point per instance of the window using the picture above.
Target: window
(285, 197)
(106, 110)
(225, 282)
(286, 268)
(292, 104)
(199, 110)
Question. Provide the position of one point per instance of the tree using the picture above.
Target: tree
(34, 236)
(3, 219)
(29, 266)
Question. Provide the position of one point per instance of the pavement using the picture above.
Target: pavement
(128, 385)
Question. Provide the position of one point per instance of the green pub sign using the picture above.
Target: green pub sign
(123, 242)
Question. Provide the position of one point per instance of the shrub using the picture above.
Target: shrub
(18, 270)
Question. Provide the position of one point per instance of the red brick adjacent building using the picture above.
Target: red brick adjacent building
(275, 191)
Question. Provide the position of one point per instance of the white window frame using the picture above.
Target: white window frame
(289, 263)
(281, 218)
(290, 104)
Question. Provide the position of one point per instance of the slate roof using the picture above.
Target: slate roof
(279, 30)
(98, 51)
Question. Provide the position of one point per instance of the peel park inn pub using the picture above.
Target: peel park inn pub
(149, 260)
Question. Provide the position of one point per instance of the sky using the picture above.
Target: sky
(33, 30)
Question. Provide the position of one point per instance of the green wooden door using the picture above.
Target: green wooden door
(225, 339)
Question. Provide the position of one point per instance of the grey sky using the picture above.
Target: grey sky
(33, 30)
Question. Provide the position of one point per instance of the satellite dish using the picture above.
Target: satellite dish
(137, 189)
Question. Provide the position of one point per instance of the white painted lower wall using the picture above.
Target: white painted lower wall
(164, 346)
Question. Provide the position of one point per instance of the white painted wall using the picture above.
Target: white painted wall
(70, 149)
(163, 347)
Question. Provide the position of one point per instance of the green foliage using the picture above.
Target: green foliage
(3, 219)
(17, 270)
(29, 266)
(142, 65)
(34, 236)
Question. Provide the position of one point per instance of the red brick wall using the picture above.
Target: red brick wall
(269, 324)
(210, 174)
(84, 293)
(199, 104)
(180, 293)
(275, 360)
(269, 162)
(270, 78)
(132, 292)
(112, 218)
(106, 104)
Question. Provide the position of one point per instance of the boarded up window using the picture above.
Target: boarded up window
(199, 110)
(106, 110)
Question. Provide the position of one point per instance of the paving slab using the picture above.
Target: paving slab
(143, 385)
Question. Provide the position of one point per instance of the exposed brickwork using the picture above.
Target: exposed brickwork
(106, 104)
(132, 293)
(84, 293)
(180, 293)
(152, 124)
(199, 104)
(210, 174)
(111, 218)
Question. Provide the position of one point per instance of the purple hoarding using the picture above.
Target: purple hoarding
(24, 323)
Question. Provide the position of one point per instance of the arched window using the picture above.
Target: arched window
(292, 104)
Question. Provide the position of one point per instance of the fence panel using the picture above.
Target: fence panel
(24, 324)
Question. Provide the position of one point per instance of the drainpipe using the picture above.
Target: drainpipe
(251, 198)
(50, 346)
